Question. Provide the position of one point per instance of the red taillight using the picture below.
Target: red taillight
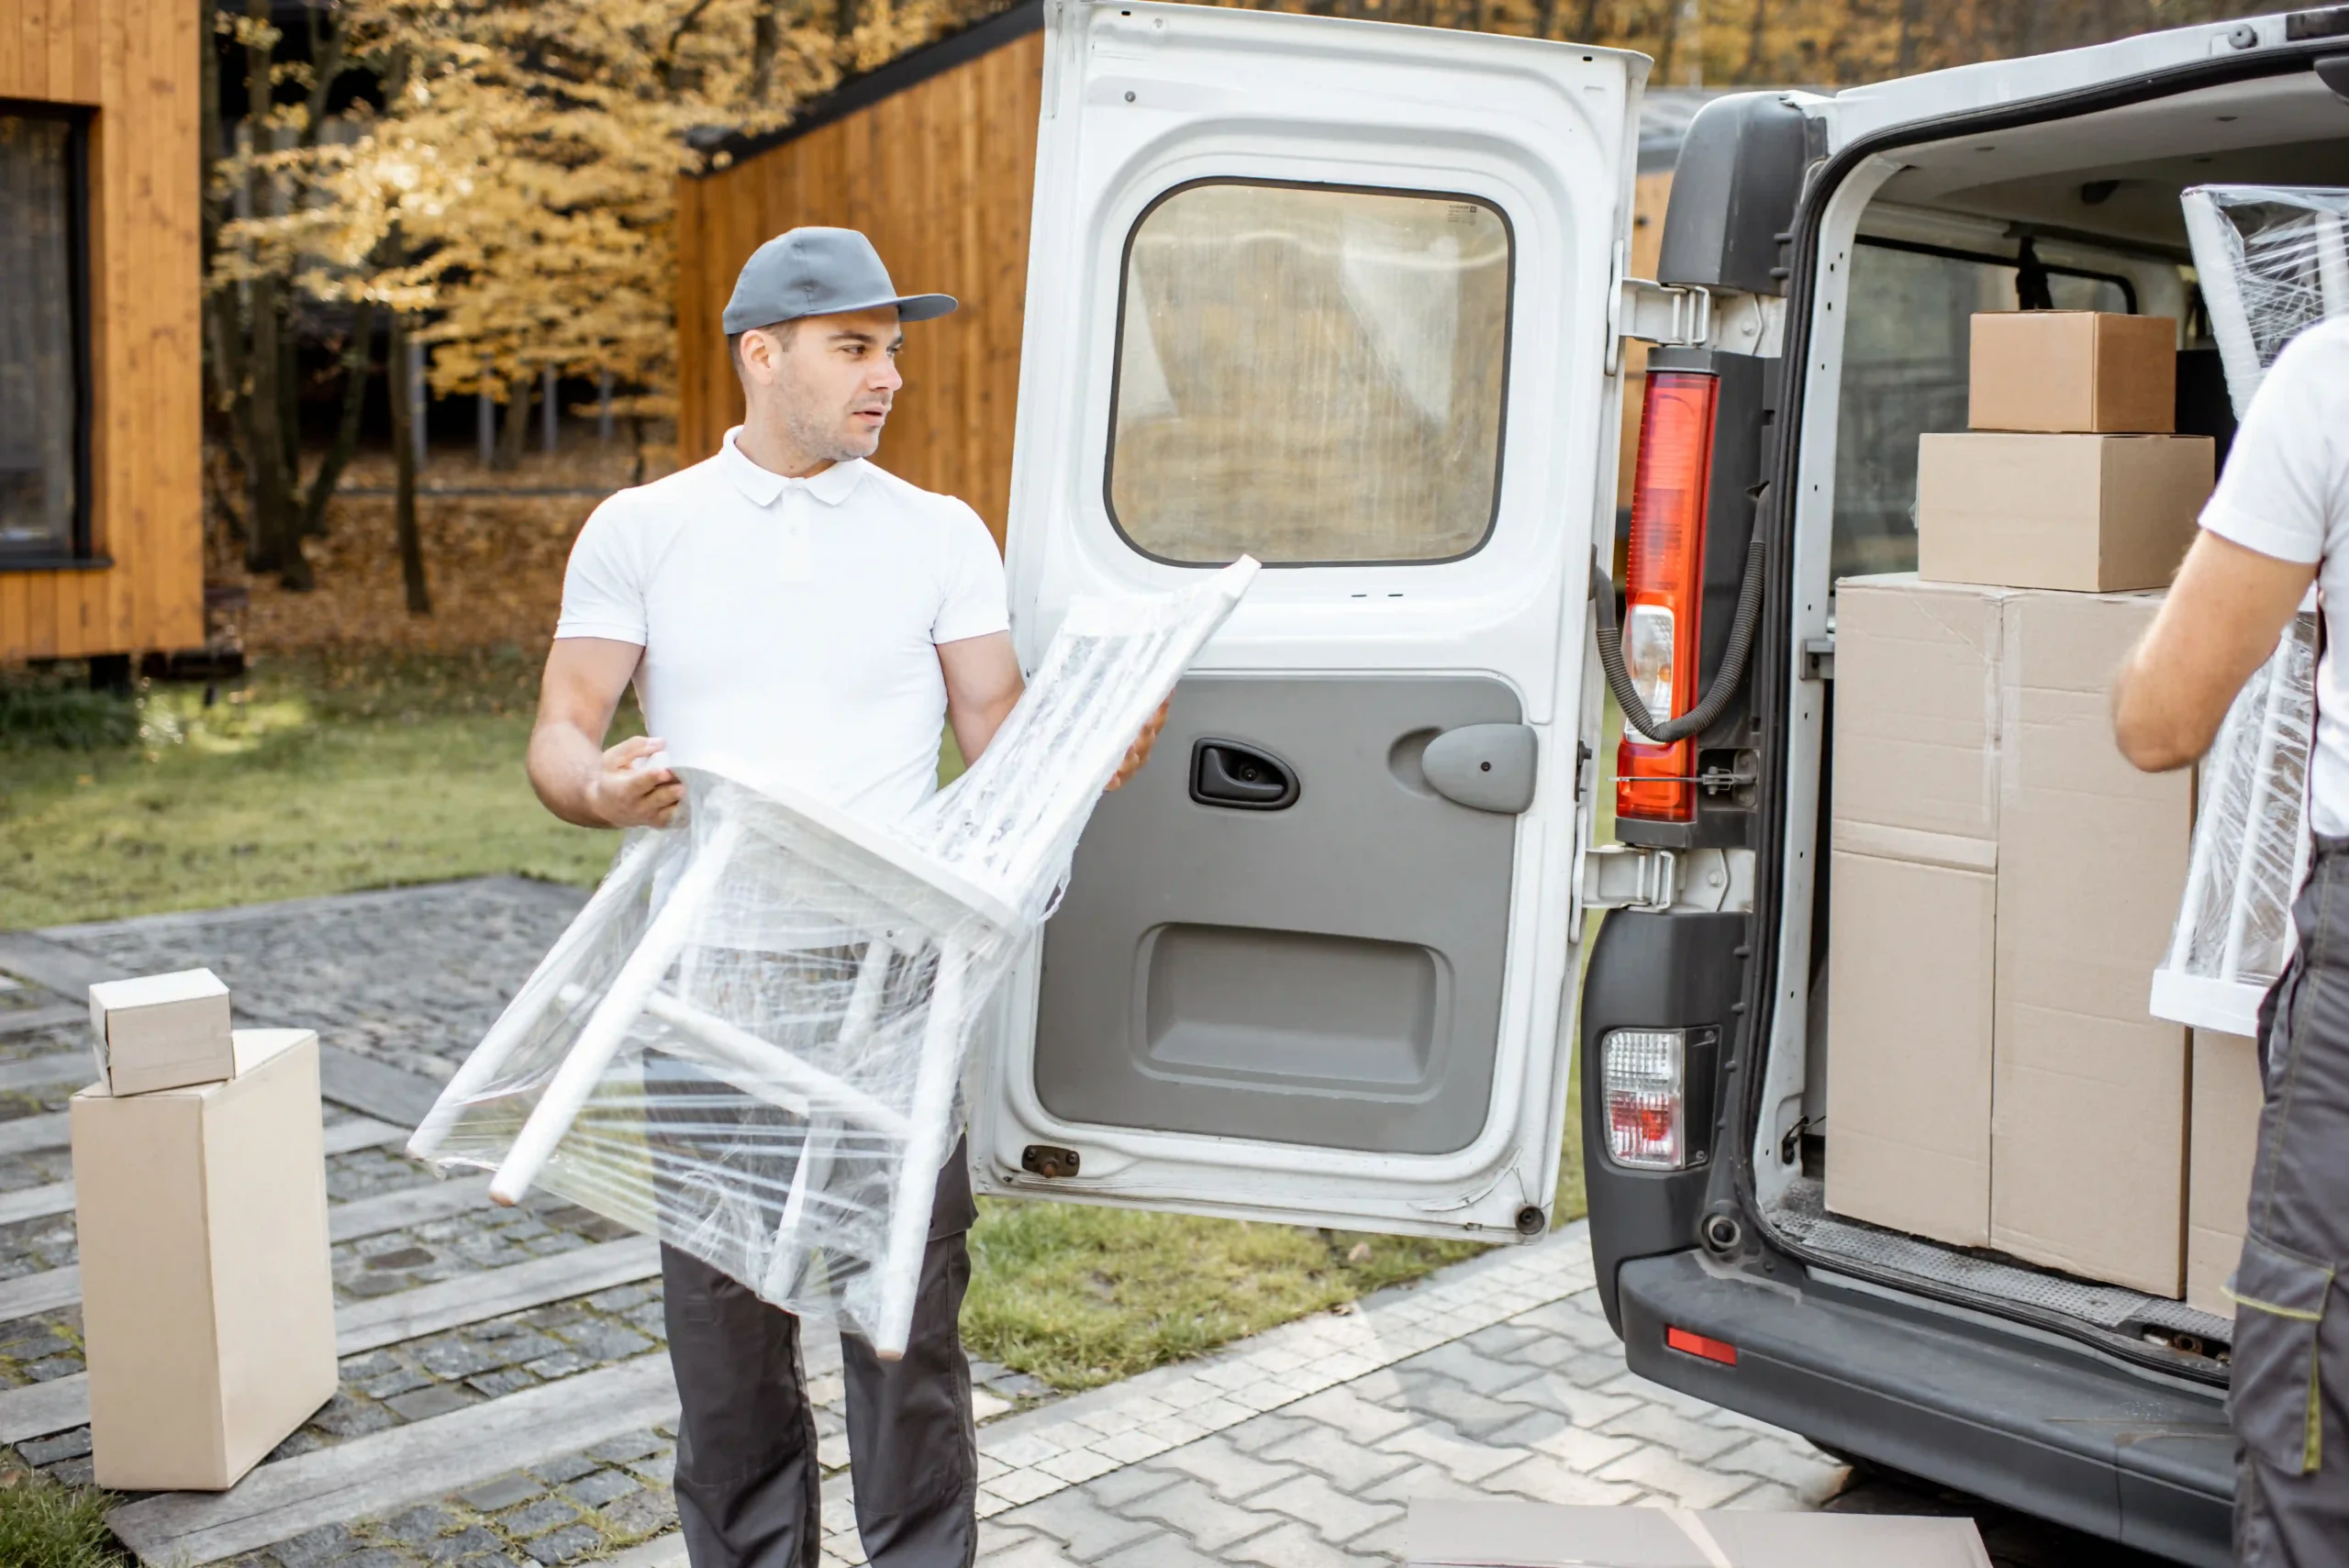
(1663, 589)
(1719, 1351)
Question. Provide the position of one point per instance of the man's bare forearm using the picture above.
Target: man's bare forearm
(563, 763)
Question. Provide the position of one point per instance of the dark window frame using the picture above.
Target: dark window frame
(78, 120)
(1117, 351)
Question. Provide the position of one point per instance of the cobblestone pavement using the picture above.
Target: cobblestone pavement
(1297, 1449)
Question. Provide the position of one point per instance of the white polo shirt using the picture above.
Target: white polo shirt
(2286, 495)
(790, 626)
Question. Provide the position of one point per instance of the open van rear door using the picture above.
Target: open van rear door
(1339, 295)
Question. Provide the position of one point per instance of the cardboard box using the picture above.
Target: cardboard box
(1914, 901)
(1547, 1535)
(207, 1302)
(2079, 371)
(1909, 1039)
(1917, 706)
(2222, 1139)
(162, 1031)
(2092, 514)
(2087, 1156)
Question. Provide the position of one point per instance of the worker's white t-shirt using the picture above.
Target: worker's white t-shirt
(790, 626)
(2286, 495)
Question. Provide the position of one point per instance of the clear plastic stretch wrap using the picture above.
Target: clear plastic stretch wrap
(748, 1043)
(2271, 261)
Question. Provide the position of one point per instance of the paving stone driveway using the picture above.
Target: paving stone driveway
(1297, 1448)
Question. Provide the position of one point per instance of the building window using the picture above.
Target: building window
(44, 371)
(1309, 375)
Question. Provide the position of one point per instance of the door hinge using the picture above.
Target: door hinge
(1628, 876)
(1668, 315)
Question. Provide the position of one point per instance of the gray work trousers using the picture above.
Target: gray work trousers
(2290, 1396)
(748, 1482)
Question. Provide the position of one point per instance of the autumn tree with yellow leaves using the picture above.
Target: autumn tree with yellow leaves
(506, 196)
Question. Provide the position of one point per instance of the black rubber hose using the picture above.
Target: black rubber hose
(1697, 720)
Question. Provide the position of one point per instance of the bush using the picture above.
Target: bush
(46, 711)
(44, 1524)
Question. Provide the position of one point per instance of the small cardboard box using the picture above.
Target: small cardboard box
(1551, 1535)
(162, 1031)
(1914, 895)
(2072, 371)
(207, 1300)
(2092, 514)
(2088, 1125)
(2224, 1137)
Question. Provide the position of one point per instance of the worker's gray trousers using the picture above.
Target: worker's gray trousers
(2290, 1396)
(747, 1476)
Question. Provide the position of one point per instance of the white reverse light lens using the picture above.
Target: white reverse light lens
(1648, 637)
(1645, 1098)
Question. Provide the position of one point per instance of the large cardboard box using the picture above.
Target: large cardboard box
(162, 1031)
(1547, 1535)
(2074, 370)
(2223, 1141)
(1914, 897)
(2091, 514)
(2088, 1156)
(207, 1300)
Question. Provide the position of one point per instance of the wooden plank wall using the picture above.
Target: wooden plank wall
(136, 62)
(941, 176)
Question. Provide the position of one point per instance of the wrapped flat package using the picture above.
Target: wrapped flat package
(747, 1043)
(2272, 261)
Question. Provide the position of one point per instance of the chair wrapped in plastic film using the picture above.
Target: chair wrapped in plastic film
(2271, 260)
(747, 1043)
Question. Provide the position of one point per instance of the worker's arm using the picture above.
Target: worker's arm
(578, 779)
(2218, 625)
(983, 682)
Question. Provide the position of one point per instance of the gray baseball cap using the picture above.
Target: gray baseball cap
(820, 271)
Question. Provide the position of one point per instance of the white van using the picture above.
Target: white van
(1353, 298)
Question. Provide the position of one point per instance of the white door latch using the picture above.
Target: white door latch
(1628, 876)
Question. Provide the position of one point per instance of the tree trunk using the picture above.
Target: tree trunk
(404, 417)
(1912, 23)
(1586, 29)
(1756, 26)
(356, 361)
(277, 545)
(514, 436)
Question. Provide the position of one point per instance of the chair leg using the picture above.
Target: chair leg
(918, 1181)
(522, 1014)
(597, 1043)
(787, 1259)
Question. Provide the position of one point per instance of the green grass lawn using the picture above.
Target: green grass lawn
(324, 775)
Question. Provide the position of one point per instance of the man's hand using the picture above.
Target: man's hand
(578, 780)
(2219, 622)
(1138, 753)
(622, 795)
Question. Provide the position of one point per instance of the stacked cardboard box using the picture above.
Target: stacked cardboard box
(2222, 1139)
(2003, 882)
(207, 1299)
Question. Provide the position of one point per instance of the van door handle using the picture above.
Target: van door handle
(1247, 778)
(1487, 767)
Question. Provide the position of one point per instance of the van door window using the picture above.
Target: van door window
(1906, 350)
(1309, 375)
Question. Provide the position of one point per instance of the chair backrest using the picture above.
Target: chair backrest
(1011, 822)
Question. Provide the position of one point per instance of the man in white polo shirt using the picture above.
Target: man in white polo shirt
(790, 612)
(2278, 521)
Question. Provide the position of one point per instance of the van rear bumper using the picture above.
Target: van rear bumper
(2004, 1414)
